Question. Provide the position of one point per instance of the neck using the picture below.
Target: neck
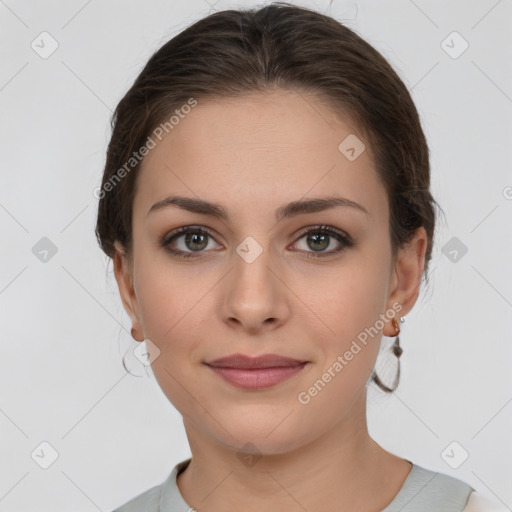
(333, 472)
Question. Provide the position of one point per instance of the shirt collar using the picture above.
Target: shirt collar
(170, 497)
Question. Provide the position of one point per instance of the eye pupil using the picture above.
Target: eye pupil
(193, 238)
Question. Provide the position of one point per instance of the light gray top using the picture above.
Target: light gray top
(422, 491)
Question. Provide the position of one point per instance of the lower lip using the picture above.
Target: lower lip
(260, 378)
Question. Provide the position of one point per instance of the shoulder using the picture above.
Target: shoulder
(148, 501)
(479, 503)
(160, 498)
(425, 490)
(452, 490)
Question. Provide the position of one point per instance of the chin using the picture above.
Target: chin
(267, 436)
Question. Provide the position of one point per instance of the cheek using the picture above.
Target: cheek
(171, 311)
(165, 292)
(345, 301)
(350, 305)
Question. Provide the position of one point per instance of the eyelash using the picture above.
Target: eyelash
(344, 240)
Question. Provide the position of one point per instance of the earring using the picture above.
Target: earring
(397, 350)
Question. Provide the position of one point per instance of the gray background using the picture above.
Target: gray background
(63, 331)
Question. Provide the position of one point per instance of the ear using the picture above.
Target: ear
(123, 274)
(407, 274)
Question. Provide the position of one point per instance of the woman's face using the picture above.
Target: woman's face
(256, 284)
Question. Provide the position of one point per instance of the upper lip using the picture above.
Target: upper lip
(263, 361)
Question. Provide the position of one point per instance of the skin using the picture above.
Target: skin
(253, 154)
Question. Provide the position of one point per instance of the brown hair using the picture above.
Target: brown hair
(233, 52)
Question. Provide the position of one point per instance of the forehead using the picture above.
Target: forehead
(269, 147)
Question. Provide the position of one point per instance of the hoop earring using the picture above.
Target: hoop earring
(397, 350)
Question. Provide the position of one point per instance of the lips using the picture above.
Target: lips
(256, 373)
(242, 361)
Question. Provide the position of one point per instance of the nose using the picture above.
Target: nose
(254, 295)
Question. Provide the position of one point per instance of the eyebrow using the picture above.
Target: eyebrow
(284, 212)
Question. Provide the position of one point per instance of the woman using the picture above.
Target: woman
(266, 204)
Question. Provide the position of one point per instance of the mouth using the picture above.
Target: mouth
(258, 362)
(256, 372)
